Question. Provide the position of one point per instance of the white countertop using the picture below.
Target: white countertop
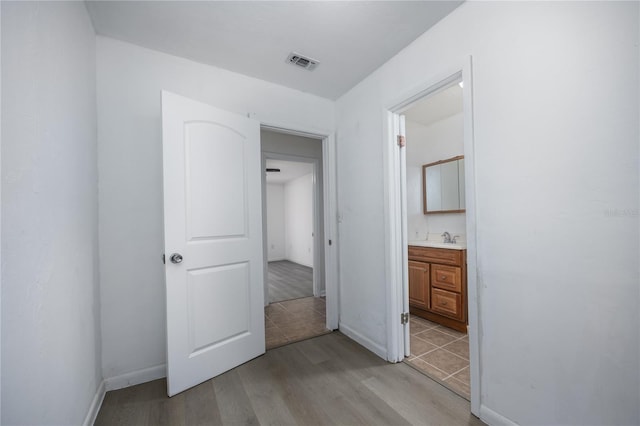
(449, 246)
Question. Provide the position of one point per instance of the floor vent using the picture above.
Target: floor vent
(302, 61)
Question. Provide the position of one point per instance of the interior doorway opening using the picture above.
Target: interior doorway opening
(293, 210)
(290, 186)
(436, 229)
(443, 291)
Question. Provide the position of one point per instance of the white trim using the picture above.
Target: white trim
(136, 377)
(395, 233)
(96, 403)
(473, 301)
(492, 418)
(404, 253)
(331, 265)
(394, 273)
(265, 243)
(317, 241)
(441, 81)
(374, 347)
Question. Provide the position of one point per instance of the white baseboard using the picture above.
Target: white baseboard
(492, 418)
(136, 377)
(374, 347)
(96, 403)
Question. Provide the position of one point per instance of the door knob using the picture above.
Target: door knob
(176, 258)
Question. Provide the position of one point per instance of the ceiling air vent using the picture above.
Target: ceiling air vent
(302, 61)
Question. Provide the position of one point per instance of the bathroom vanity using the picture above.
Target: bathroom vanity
(438, 283)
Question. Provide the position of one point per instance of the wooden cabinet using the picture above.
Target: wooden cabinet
(438, 285)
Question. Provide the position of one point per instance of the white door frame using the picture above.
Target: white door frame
(395, 218)
(317, 241)
(329, 215)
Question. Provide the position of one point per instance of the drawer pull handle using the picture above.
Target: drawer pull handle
(443, 277)
(443, 303)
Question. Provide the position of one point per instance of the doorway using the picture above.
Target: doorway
(293, 235)
(290, 186)
(404, 226)
(435, 217)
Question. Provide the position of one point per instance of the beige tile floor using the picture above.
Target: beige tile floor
(293, 320)
(441, 353)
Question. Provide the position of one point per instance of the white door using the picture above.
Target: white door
(213, 241)
(402, 157)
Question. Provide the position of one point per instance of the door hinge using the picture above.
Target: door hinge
(404, 318)
(401, 141)
(163, 260)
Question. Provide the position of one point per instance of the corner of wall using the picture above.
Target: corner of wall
(374, 347)
(136, 377)
(96, 403)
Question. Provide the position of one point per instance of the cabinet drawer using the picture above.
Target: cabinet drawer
(435, 255)
(446, 303)
(446, 277)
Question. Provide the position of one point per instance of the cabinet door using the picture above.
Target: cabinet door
(419, 284)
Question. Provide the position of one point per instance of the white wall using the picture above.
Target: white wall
(298, 214)
(290, 221)
(50, 296)
(428, 144)
(130, 79)
(555, 92)
(276, 245)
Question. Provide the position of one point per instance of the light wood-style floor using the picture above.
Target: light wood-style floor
(328, 380)
(288, 280)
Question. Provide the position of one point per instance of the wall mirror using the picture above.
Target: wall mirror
(443, 186)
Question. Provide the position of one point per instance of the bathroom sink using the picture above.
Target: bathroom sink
(450, 246)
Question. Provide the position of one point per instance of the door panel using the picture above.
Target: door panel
(215, 154)
(206, 306)
(212, 199)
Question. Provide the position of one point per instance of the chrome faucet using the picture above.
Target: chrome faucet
(453, 240)
(447, 237)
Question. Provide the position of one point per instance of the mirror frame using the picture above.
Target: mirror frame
(424, 185)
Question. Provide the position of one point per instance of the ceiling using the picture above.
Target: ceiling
(350, 39)
(436, 107)
(289, 170)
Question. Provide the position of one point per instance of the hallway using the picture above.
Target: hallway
(328, 380)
